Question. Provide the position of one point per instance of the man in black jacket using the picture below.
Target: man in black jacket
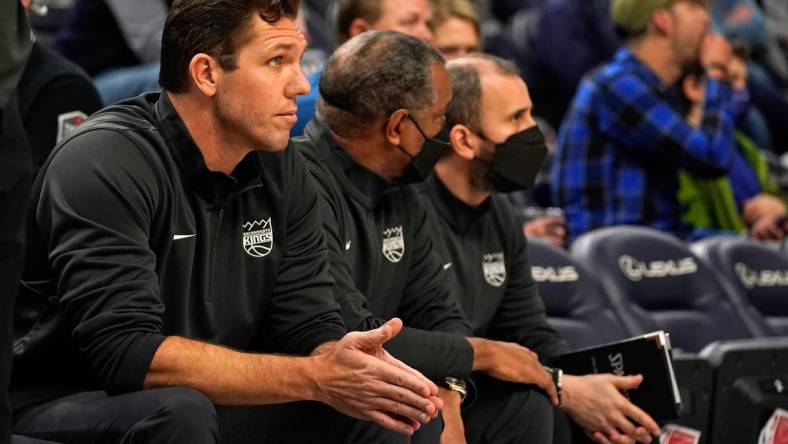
(383, 96)
(169, 258)
(14, 184)
(493, 137)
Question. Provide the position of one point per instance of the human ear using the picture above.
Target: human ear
(358, 26)
(394, 126)
(460, 136)
(205, 72)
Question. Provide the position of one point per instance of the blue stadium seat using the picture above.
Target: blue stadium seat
(754, 273)
(654, 278)
(574, 300)
(577, 307)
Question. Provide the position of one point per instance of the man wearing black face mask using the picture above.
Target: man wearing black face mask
(496, 146)
(383, 100)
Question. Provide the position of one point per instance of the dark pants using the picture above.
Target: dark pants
(311, 422)
(182, 415)
(506, 413)
(567, 431)
(167, 415)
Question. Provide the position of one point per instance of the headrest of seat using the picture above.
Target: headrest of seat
(757, 272)
(653, 269)
(567, 288)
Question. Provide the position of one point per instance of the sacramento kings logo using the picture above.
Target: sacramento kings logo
(494, 269)
(258, 237)
(393, 244)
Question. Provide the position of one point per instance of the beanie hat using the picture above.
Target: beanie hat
(634, 15)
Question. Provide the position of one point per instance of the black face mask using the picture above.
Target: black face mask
(424, 161)
(517, 161)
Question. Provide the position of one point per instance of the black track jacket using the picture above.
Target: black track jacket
(484, 250)
(131, 238)
(383, 261)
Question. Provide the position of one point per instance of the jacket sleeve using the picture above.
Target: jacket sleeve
(303, 313)
(429, 304)
(96, 206)
(645, 122)
(521, 316)
(434, 353)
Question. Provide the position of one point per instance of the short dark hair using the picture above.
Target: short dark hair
(373, 75)
(214, 27)
(466, 89)
(349, 10)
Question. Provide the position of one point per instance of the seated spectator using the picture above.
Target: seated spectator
(376, 132)
(455, 27)
(410, 17)
(491, 131)
(55, 96)
(744, 23)
(623, 142)
(747, 199)
(118, 42)
(173, 264)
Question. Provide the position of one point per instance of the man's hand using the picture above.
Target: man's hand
(550, 228)
(760, 206)
(453, 430)
(768, 228)
(512, 362)
(596, 404)
(357, 377)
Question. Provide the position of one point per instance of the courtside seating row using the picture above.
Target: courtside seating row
(725, 298)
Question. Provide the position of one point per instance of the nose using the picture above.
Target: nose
(299, 85)
(424, 32)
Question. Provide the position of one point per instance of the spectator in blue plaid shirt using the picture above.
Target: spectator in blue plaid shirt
(623, 140)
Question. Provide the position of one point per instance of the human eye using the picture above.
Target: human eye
(276, 61)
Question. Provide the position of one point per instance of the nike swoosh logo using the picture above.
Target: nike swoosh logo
(447, 266)
(182, 236)
(347, 245)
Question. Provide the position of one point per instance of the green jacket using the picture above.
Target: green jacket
(709, 203)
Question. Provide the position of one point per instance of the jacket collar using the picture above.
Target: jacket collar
(362, 184)
(215, 186)
(459, 215)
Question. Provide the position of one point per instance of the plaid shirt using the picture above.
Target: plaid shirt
(622, 144)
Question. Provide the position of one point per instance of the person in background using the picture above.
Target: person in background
(623, 142)
(747, 200)
(456, 29)
(55, 97)
(354, 17)
(118, 43)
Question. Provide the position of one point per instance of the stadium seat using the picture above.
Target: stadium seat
(577, 307)
(653, 278)
(751, 377)
(754, 272)
(574, 300)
